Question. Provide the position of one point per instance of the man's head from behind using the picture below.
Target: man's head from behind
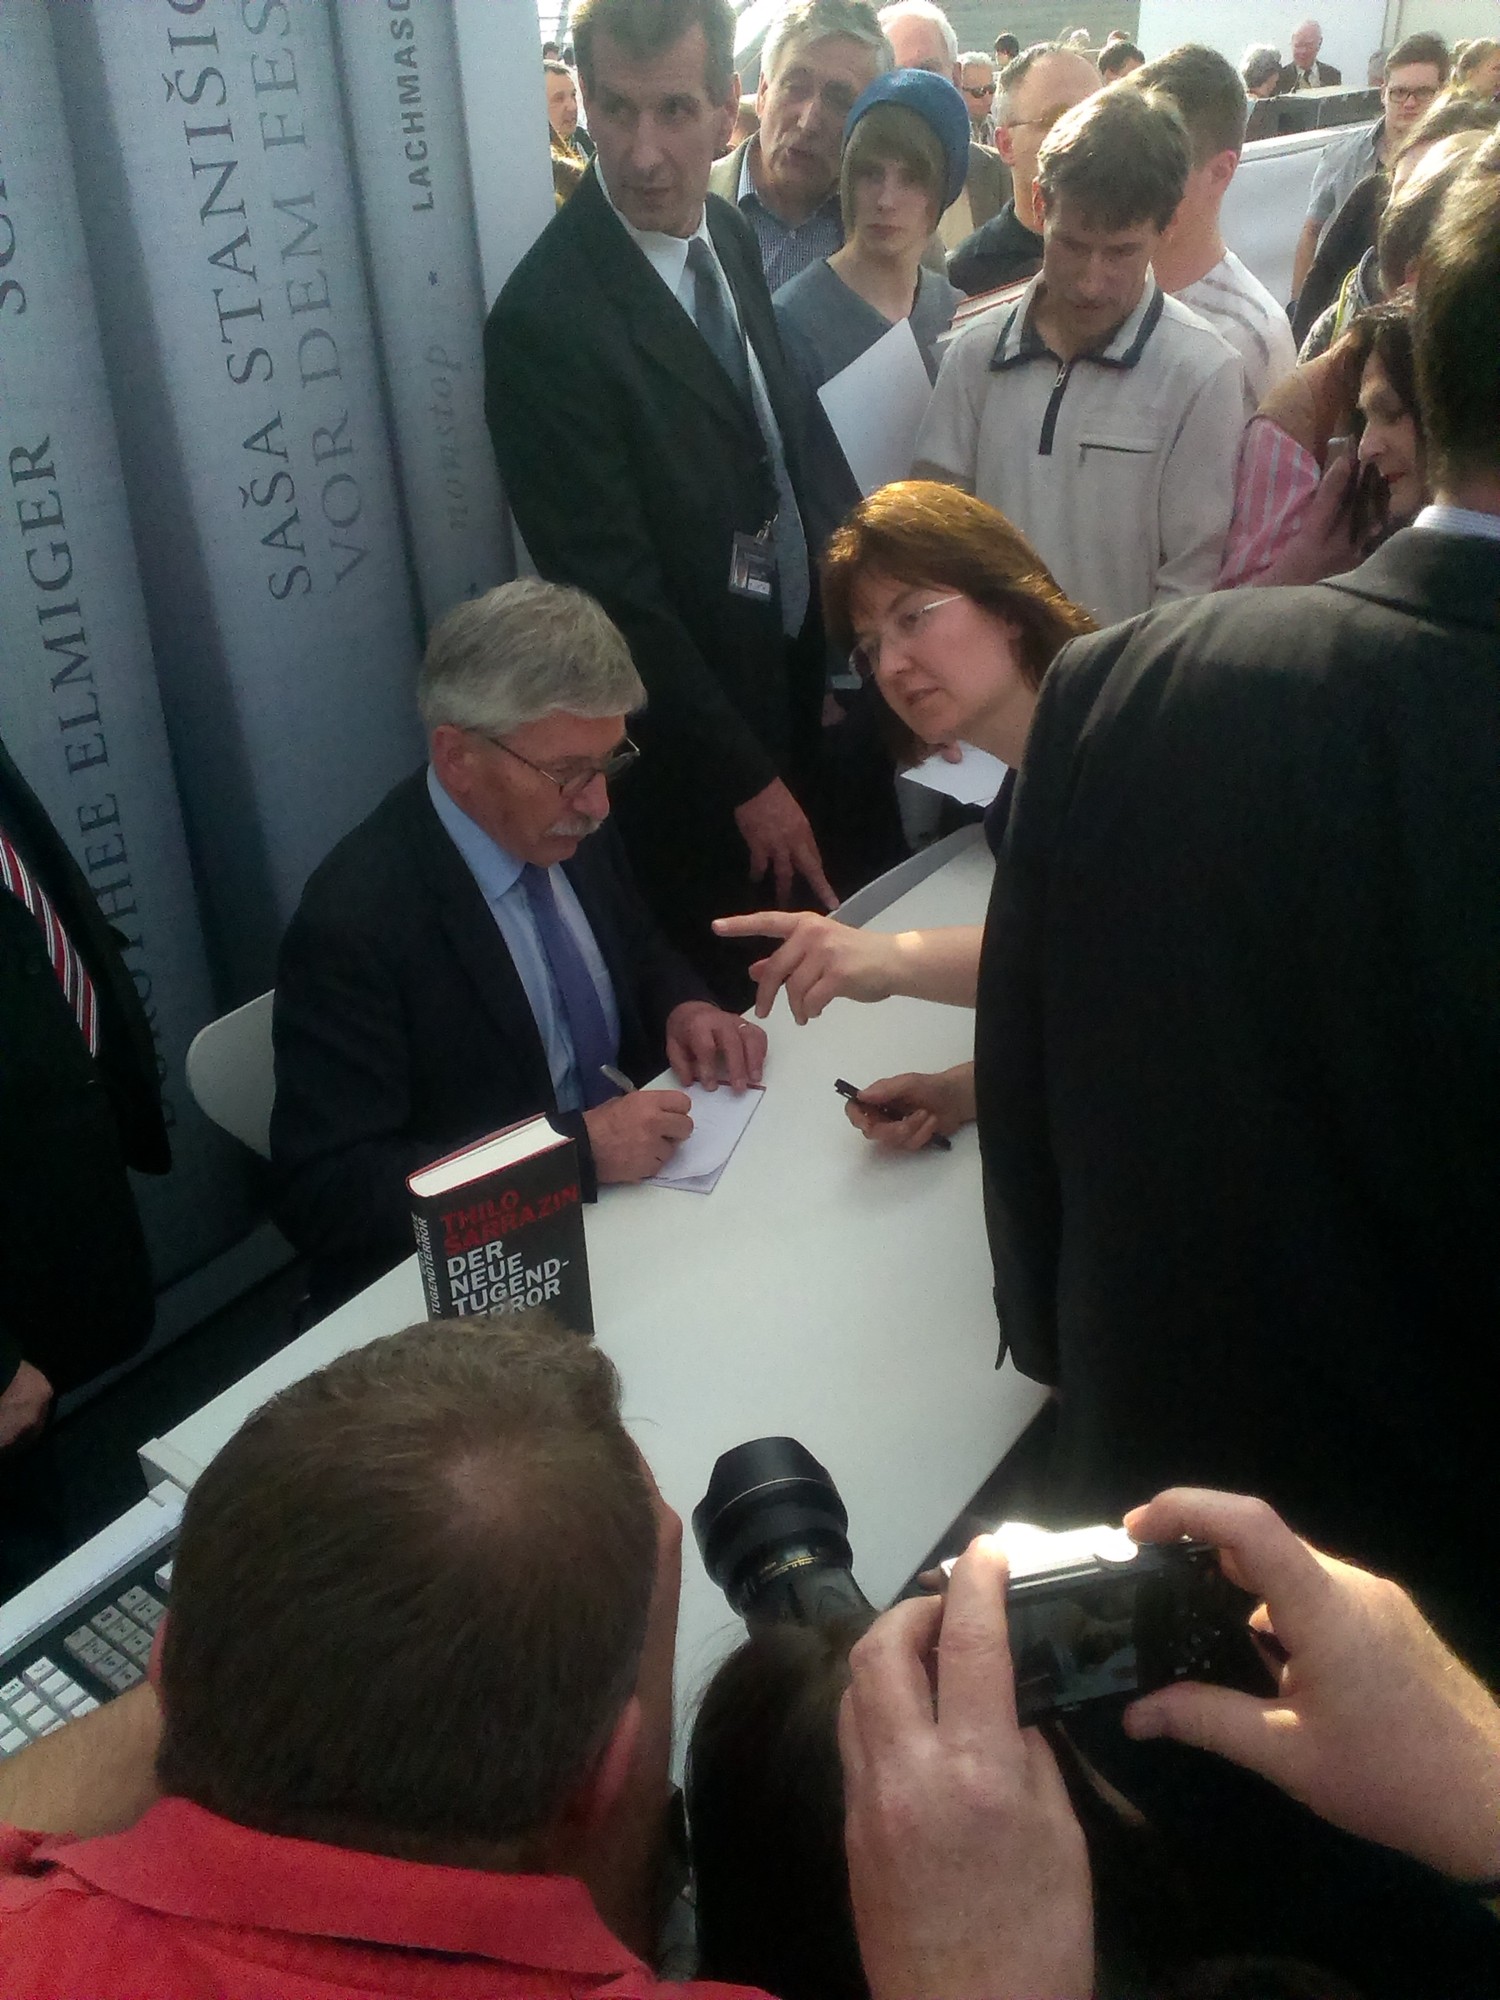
(1109, 179)
(819, 56)
(410, 1597)
(524, 694)
(1117, 59)
(1458, 357)
(1210, 101)
(660, 87)
(1035, 90)
(921, 37)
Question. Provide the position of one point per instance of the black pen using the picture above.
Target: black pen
(886, 1111)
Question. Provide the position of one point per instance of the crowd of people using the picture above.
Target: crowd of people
(1215, 576)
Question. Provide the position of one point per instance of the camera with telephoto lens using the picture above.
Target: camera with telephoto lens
(1092, 1616)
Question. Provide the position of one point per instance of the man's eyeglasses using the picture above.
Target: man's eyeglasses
(865, 656)
(979, 90)
(1421, 93)
(576, 774)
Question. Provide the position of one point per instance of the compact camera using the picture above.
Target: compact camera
(1093, 1617)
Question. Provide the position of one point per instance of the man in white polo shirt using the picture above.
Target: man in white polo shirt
(1192, 261)
(1098, 414)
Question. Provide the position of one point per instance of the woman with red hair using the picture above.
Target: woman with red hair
(946, 606)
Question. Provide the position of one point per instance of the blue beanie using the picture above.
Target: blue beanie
(937, 103)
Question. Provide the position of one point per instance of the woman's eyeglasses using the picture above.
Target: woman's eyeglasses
(864, 657)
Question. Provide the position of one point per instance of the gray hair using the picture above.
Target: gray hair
(979, 58)
(805, 21)
(520, 652)
(924, 10)
(1259, 64)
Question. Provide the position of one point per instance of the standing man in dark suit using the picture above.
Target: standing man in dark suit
(1238, 1047)
(476, 950)
(1304, 71)
(645, 428)
(80, 1101)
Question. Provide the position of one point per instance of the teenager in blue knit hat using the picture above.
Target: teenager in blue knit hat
(905, 158)
(906, 152)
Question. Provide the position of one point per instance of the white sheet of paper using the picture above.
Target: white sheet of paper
(876, 406)
(719, 1118)
(973, 782)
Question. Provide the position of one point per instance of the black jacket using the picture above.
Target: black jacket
(76, 1292)
(402, 1029)
(630, 463)
(1002, 252)
(1325, 75)
(1238, 1062)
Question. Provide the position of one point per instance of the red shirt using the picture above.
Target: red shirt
(186, 1905)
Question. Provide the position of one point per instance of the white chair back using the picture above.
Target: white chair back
(231, 1074)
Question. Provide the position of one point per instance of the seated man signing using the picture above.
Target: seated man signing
(476, 950)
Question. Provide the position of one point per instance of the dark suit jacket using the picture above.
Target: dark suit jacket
(630, 463)
(1287, 78)
(1238, 1062)
(402, 1029)
(76, 1293)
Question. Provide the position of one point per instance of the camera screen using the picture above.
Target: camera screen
(1070, 1649)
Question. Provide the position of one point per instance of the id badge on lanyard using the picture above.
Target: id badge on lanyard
(752, 565)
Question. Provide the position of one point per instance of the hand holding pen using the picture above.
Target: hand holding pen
(909, 1113)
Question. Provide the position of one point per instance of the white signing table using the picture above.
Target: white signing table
(824, 1291)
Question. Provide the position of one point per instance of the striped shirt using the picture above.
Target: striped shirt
(1237, 305)
(787, 249)
(1275, 480)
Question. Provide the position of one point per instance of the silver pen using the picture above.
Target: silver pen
(617, 1077)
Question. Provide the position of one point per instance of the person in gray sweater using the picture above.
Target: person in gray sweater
(905, 151)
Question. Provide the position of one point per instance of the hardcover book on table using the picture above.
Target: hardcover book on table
(499, 1227)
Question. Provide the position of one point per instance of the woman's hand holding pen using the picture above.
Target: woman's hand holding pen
(934, 1104)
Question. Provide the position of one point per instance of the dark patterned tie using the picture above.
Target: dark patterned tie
(78, 988)
(715, 320)
(583, 1012)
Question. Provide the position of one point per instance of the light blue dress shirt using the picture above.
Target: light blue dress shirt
(499, 877)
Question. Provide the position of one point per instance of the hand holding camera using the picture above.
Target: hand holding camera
(968, 1872)
(1374, 1725)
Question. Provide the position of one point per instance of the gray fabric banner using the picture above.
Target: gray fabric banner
(216, 189)
(401, 88)
(79, 707)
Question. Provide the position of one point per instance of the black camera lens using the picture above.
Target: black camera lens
(772, 1532)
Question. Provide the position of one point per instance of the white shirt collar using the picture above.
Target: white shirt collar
(1442, 519)
(667, 255)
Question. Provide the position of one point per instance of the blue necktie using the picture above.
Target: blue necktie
(582, 1012)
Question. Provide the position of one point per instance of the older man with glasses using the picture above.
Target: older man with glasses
(476, 950)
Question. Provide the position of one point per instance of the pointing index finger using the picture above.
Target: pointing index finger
(759, 923)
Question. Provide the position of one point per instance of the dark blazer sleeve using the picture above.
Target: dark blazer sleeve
(564, 449)
(341, 1129)
(1022, 1196)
